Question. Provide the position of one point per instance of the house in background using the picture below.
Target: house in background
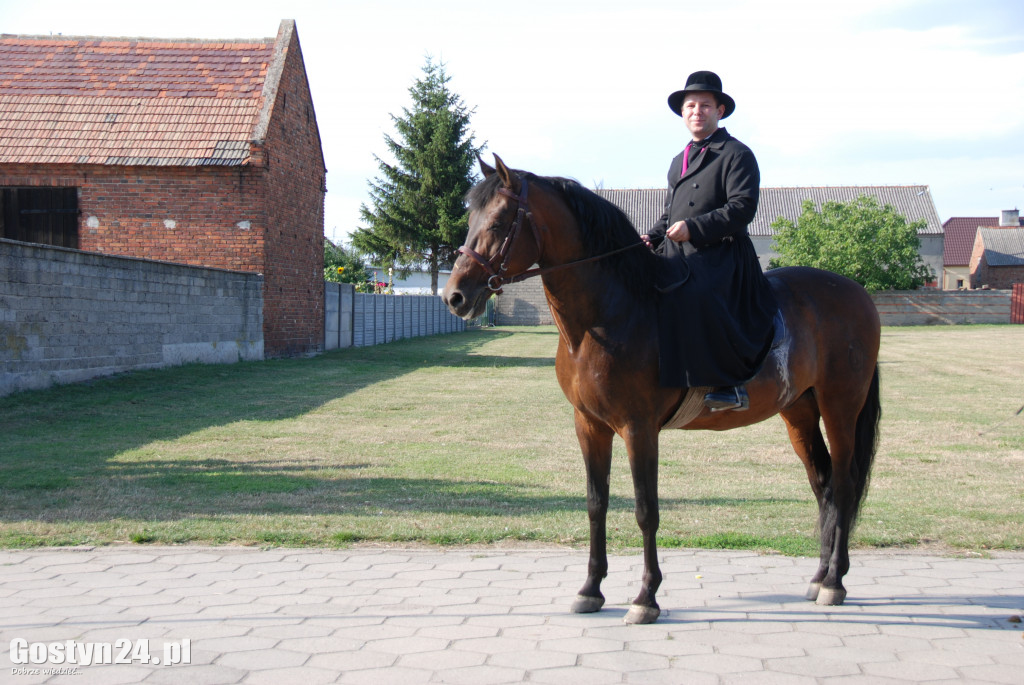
(199, 152)
(960, 234)
(645, 206)
(997, 261)
(416, 282)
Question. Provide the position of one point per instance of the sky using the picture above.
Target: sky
(856, 92)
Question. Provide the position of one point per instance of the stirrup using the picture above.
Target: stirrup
(725, 399)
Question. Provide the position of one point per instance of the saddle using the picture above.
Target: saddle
(693, 401)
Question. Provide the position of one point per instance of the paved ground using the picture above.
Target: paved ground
(478, 617)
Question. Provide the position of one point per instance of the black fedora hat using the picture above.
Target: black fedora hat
(706, 82)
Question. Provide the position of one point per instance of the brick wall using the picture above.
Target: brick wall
(68, 315)
(996, 277)
(295, 216)
(204, 216)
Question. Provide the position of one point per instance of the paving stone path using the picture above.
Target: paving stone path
(487, 616)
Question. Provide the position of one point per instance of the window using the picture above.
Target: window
(40, 215)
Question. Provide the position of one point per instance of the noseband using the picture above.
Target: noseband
(496, 276)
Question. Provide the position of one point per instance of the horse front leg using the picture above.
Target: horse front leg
(596, 443)
(642, 446)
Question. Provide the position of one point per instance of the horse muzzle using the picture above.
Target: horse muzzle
(465, 302)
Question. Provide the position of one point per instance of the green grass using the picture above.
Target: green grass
(467, 439)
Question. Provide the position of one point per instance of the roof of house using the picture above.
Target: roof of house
(136, 101)
(644, 206)
(960, 232)
(1003, 246)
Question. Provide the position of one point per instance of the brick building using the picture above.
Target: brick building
(961, 233)
(997, 260)
(197, 152)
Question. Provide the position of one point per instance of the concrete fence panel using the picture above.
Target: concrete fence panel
(361, 319)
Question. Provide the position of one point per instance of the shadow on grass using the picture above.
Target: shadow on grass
(171, 490)
(98, 419)
(52, 437)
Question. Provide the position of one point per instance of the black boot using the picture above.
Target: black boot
(723, 399)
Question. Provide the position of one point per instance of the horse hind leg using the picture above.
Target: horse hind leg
(802, 423)
(853, 436)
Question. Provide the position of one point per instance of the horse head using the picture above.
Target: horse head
(503, 240)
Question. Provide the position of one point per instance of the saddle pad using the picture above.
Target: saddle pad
(689, 408)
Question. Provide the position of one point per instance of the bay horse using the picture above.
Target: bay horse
(598, 282)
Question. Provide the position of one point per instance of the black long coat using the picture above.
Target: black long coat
(716, 327)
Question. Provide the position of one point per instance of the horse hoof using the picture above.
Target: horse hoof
(830, 597)
(812, 591)
(586, 605)
(640, 615)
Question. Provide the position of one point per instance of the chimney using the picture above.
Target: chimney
(1010, 217)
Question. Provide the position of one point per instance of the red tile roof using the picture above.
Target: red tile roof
(131, 101)
(960, 232)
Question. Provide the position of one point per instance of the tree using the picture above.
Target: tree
(343, 266)
(419, 215)
(873, 245)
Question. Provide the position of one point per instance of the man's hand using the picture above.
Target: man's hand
(678, 232)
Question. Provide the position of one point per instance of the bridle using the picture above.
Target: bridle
(497, 266)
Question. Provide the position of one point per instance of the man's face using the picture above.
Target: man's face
(701, 114)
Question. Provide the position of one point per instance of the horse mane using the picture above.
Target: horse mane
(603, 227)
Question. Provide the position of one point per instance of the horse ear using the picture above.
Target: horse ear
(486, 169)
(508, 178)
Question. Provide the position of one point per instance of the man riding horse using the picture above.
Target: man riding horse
(716, 312)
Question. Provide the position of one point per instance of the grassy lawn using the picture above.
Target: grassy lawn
(467, 439)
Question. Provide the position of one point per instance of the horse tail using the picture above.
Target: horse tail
(866, 440)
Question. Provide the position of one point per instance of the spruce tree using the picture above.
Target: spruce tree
(418, 215)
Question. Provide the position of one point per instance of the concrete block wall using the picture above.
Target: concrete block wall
(68, 315)
(524, 304)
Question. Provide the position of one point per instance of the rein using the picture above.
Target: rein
(497, 278)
